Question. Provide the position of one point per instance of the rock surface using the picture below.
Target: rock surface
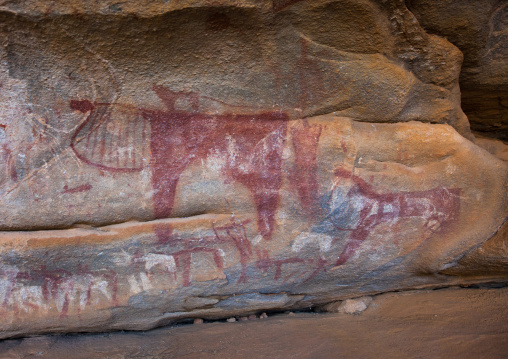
(488, 260)
(496, 147)
(200, 159)
(349, 306)
(480, 30)
(353, 220)
(449, 323)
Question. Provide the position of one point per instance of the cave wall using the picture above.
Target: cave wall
(182, 159)
(480, 30)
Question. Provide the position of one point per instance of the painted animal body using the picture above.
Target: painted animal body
(252, 145)
(438, 207)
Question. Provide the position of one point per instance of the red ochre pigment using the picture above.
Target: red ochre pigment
(303, 178)
(178, 139)
(438, 206)
(252, 145)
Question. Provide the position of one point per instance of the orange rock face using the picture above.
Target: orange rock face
(208, 161)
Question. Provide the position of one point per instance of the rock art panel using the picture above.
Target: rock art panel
(197, 159)
(340, 219)
(437, 207)
(177, 140)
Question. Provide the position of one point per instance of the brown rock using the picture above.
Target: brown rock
(428, 324)
(409, 210)
(479, 29)
(488, 260)
(496, 147)
(177, 164)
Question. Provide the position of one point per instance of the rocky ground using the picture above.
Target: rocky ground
(445, 323)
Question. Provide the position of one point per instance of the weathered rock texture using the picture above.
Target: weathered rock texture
(451, 323)
(200, 159)
(480, 30)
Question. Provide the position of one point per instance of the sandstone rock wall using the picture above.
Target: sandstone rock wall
(217, 158)
(480, 30)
